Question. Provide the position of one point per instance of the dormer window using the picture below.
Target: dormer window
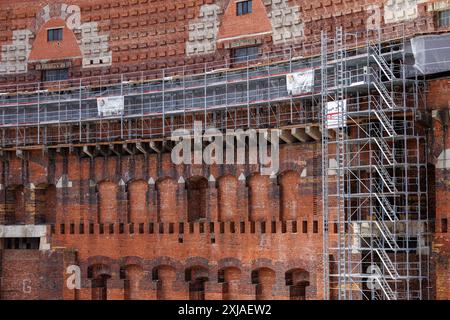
(54, 34)
(243, 7)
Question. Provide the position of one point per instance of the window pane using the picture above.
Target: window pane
(55, 75)
(243, 7)
(54, 34)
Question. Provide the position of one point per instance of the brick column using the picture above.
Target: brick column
(242, 199)
(152, 201)
(29, 198)
(2, 204)
(182, 205)
(274, 197)
(122, 203)
(212, 213)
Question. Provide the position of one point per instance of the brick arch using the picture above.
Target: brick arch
(100, 260)
(263, 263)
(137, 200)
(229, 262)
(107, 201)
(131, 260)
(167, 199)
(55, 50)
(196, 261)
(289, 182)
(164, 260)
(227, 198)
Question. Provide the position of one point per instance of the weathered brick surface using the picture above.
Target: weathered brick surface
(126, 222)
(150, 229)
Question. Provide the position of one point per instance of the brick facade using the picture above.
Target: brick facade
(141, 227)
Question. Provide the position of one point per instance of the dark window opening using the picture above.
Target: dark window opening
(55, 75)
(244, 54)
(22, 243)
(244, 7)
(444, 225)
(55, 34)
(315, 227)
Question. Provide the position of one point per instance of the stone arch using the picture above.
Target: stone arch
(230, 277)
(132, 275)
(289, 195)
(45, 200)
(259, 202)
(264, 280)
(197, 198)
(137, 201)
(297, 279)
(167, 199)
(107, 202)
(165, 277)
(15, 205)
(67, 48)
(228, 198)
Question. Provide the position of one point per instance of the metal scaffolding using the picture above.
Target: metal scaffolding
(376, 242)
(365, 99)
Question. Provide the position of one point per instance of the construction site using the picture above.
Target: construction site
(93, 92)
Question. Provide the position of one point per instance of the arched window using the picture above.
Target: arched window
(197, 189)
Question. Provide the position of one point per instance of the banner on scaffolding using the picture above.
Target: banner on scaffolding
(336, 114)
(300, 82)
(110, 106)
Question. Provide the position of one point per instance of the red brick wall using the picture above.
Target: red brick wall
(96, 188)
(440, 181)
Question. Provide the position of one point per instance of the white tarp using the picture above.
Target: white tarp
(300, 82)
(110, 106)
(336, 114)
(431, 53)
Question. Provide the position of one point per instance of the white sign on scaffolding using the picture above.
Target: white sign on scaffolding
(110, 106)
(300, 82)
(336, 114)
